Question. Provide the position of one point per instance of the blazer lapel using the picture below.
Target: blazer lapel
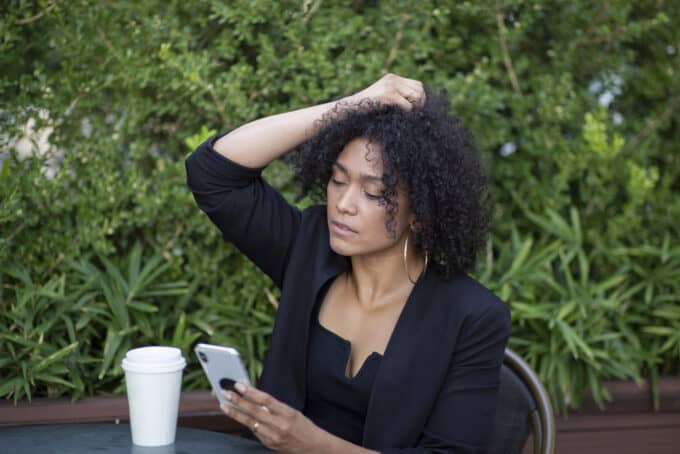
(336, 264)
(398, 379)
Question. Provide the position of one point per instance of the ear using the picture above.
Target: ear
(413, 223)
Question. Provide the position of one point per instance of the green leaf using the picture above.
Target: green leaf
(116, 302)
(135, 260)
(54, 357)
(54, 379)
(521, 256)
(142, 307)
(658, 330)
(7, 388)
(609, 283)
(113, 342)
(668, 312)
(17, 273)
(180, 329)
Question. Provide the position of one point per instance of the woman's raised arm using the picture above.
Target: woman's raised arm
(260, 142)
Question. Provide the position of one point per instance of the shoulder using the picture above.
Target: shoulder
(313, 222)
(470, 300)
(315, 213)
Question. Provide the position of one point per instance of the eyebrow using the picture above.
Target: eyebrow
(362, 176)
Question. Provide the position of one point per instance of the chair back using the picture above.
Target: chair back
(523, 407)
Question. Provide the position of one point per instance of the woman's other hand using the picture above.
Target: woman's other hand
(275, 424)
(393, 89)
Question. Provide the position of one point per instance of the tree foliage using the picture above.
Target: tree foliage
(574, 105)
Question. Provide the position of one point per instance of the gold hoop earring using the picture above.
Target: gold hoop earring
(406, 263)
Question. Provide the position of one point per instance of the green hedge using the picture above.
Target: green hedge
(574, 106)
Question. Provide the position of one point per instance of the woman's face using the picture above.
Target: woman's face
(354, 196)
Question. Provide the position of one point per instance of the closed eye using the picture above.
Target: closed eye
(368, 195)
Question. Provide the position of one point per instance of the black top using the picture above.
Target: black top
(437, 385)
(335, 402)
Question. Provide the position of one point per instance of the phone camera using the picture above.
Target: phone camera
(227, 384)
(203, 357)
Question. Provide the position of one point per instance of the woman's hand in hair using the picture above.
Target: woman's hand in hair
(393, 89)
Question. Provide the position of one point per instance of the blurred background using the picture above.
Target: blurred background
(574, 106)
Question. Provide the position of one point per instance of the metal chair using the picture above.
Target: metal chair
(523, 407)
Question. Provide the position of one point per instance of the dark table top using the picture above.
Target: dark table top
(116, 438)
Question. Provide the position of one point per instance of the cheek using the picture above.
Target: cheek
(376, 217)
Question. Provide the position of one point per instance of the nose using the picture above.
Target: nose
(346, 202)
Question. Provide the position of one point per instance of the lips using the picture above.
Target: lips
(343, 227)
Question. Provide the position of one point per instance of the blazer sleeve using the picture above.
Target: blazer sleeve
(248, 211)
(462, 420)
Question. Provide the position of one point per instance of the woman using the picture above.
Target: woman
(381, 342)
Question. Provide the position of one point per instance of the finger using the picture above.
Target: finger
(403, 103)
(409, 92)
(397, 79)
(414, 86)
(413, 82)
(260, 398)
(415, 97)
(416, 91)
(256, 410)
(262, 431)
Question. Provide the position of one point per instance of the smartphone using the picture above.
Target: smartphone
(222, 366)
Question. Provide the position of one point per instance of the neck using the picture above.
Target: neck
(379, 279)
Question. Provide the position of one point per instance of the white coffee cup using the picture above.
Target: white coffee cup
(153, 377)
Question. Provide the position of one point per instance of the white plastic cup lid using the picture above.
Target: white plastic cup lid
(153, 359)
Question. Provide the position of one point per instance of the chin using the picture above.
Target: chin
(339, 248)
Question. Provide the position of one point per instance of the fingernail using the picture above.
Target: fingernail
(240, 387)
(228, 395)
(225, 408)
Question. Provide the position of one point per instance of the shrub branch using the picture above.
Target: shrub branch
(28, 20)
(502, 31)
(397, 41)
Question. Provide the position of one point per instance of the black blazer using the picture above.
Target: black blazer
(438, 380)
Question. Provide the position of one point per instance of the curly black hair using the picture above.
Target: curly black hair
(429, 151)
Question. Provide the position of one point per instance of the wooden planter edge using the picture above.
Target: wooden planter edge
(630, 402)
(197, 409)
(630, 397)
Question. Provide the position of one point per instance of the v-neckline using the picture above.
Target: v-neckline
(329, 282)
(348, 349)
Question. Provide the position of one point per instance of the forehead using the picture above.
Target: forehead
(360, 158)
